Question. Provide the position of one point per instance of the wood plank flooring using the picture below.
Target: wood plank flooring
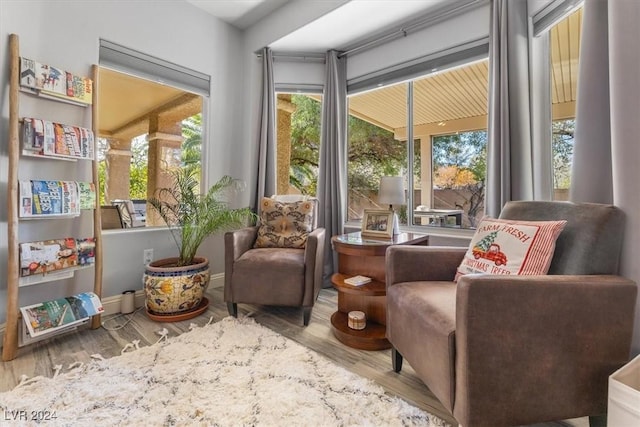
(40, 358)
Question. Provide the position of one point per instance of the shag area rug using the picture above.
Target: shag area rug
(233, 372)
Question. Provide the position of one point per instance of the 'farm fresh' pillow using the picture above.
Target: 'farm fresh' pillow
(502, 246)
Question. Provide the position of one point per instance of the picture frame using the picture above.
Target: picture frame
(377, 223)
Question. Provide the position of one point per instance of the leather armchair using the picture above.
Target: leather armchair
(272, 276)
(512, 350)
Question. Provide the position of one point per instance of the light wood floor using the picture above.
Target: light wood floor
(40, 358)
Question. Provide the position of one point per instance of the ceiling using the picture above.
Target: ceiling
(127, 102)
(353, 22)
(239, 13)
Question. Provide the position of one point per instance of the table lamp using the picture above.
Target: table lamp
(392, 193)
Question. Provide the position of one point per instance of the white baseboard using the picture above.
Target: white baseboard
(112, 304)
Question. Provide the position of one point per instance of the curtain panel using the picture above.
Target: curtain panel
(332, 175)
(607, 147)
(509, 146)
(266, 183)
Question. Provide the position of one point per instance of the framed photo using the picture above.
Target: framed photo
(377, 223)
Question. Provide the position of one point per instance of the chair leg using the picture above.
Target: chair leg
(306, 315)
(396, 359)
(598, 420)
(233, 309)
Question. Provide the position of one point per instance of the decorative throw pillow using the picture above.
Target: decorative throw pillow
(502, 246)
(284, 225)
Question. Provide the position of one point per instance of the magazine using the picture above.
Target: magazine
(47, 256)
(86, 250)
(52, 315)
(55, 139)
(40, 198)
(87, 195)
(54, 81)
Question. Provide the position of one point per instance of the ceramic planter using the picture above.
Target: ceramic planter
(173, 290)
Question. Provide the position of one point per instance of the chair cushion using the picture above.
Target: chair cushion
(511, 247)
(421, 324)
(270, 276)
(284, 225)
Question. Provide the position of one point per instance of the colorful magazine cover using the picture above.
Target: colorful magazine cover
(70, 198)
(28, 72)
(47, 256)
(52, 315)
(87, 195)
(51, 79)
(46, 198)
(86, 251)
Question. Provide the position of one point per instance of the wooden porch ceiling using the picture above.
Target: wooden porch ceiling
(127, 102)
(457, 99)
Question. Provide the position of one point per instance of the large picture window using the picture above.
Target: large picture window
(147, 130)
(298, 139)
(442, 159)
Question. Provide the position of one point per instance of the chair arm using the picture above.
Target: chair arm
(419, 263)
(236, 243)
(532, 345)
(314, 265)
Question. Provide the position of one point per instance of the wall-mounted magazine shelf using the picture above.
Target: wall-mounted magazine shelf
(29, 153)
(25, 339)
(55, 216)
(48, 317)
(45, 95)
(32, 199)
(52, 276)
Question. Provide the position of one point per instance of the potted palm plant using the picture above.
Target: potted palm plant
(174, 287)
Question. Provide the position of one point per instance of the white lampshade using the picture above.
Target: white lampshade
(391, 191)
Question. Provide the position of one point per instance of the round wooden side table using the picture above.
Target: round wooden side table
(361, 255)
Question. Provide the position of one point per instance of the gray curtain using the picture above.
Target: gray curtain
(509, 147)
(267, 136)
(332, 176)
(593, 127)
(607, 163)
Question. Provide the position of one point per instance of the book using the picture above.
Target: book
(56, 314)
(47, 256)
(357, 280)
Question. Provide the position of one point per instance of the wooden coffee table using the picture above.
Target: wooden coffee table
(358, 255)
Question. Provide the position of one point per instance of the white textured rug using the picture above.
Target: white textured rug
(234, 372)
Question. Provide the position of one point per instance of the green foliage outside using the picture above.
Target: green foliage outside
(190, 156)
(372, 151)
(460, 164)
(562, 150)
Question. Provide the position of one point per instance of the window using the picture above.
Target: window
(375, 147)
(564, 50)
(298, 143)
(442, 159)
(146, 130)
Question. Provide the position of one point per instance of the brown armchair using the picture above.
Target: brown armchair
(512, 350)
(273, 276)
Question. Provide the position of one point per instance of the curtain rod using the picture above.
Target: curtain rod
(416, 25)
(297, 56)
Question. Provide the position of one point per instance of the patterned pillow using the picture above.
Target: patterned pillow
(502, 246)
(284, 225)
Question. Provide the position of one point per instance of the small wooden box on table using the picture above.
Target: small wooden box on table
(365, 256)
